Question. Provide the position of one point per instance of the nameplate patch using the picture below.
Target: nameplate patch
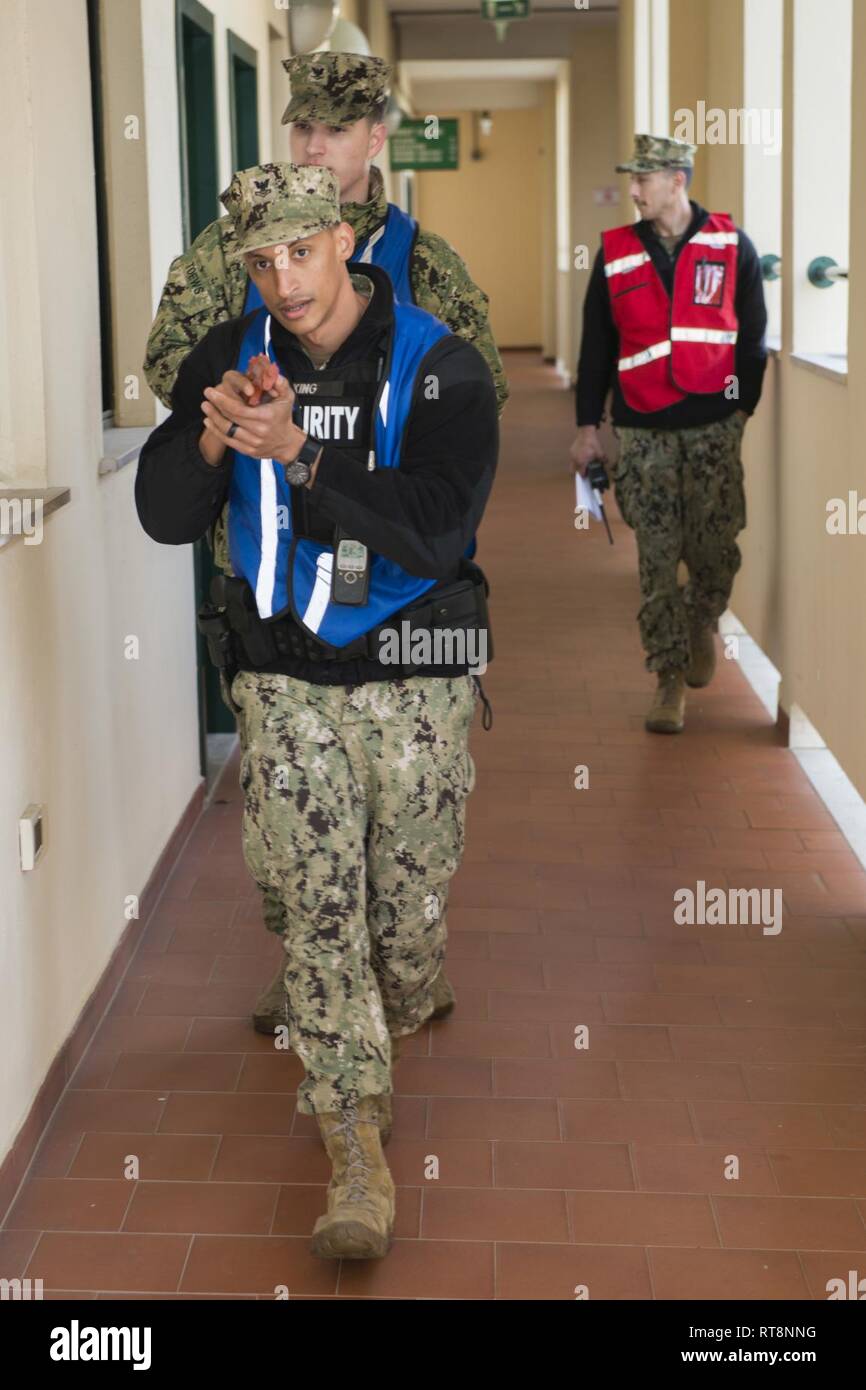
(319, 388)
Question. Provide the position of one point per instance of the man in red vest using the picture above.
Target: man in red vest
(674, 320)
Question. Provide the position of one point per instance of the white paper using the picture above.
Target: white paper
(585, 497)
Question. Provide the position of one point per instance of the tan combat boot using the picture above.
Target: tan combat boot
(703, 656)
(667, 711)
(272, 1009)
(359, 1222)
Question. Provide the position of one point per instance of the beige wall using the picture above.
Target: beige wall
(490, 210)
(108, 745)
(594, 155)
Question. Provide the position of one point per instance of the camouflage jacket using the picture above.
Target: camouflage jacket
(203, 288)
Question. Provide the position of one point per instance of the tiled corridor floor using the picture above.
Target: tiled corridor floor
(610, 1167)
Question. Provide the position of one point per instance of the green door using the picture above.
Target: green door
(200, 185)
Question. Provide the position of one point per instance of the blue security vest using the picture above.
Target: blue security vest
(289, 573)
(390, 247)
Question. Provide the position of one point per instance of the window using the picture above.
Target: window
(822, 174)
(763, 27)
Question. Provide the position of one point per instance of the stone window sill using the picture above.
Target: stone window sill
(120, 447)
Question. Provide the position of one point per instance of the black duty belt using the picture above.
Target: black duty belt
(238, 638)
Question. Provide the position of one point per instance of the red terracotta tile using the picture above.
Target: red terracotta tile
(701, 1168)
(159, 1156)
(641, 1218)
(847, 1125)
(555, 1272)
(255, 1265)
(493, 1119)
(825, 1268)
(628, 1121)
(574, 1076)
(542, 1007)
(66, 1204)
(820, 1172)
(682, 1081)
(789, 1223)
(600, 1167)
(94, 1261)
(458, 1039)
(720, 1275)
(603, 1042)
(453, 1269)
(16, 1247)
(807, 1084)
(248, 1158)
(216, 1208)
(449, 1076)
(659, 1008)
(501, 1214)
(280, 1073)
(772, 1126)
(192, 1112)
(176, 1071)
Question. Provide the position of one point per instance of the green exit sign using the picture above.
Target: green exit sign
(505, 9)
(425, 144)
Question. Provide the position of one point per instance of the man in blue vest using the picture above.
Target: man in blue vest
(336, 119)
(353, 493)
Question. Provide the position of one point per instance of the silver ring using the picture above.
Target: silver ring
(232, 430)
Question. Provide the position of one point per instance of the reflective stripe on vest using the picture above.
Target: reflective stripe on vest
(290, 573)
(640, 359)
(389, 247)
(673, 345)
(703, 335)
(625, 263)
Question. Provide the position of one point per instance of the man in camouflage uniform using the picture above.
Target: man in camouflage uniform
(355, 774)
(683, 286)
(336, 116)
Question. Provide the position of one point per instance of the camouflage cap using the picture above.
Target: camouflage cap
(336, 88)
(275, 203)
(652, 152)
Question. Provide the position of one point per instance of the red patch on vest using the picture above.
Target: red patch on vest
(709, 282)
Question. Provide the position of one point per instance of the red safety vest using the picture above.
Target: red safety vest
(673, 346)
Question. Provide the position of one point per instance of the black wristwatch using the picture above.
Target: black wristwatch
(299, 470)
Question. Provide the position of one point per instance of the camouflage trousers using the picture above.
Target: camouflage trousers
(353, 822)
(681, 492)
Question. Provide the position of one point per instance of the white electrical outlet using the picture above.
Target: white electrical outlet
(31, 836)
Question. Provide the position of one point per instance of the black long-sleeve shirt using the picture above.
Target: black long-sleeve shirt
(599, 349)
(421, 514)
